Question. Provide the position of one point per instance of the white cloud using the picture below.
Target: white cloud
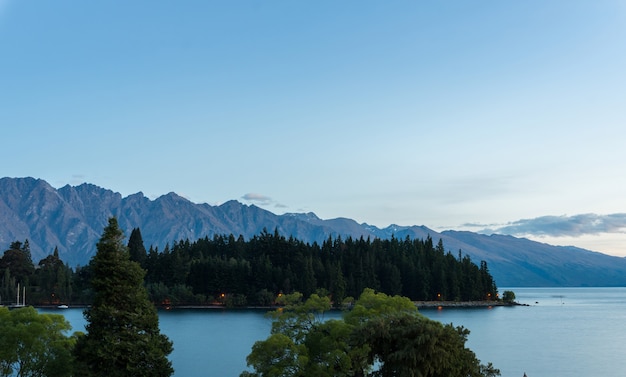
(263, 200)
(257, 198)
(562, 226)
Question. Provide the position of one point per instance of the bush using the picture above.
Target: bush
(508, 296)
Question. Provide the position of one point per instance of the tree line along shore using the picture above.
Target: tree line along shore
(380, 335)
(232, 272)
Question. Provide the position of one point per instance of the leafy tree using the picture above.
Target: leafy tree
(374, 305)
(33, 344)
(381, 336)
(413, 345)
(123, 337)
(302, 343)
(508, 296)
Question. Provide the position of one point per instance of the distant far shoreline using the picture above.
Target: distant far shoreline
(463, 304)
(419, 304)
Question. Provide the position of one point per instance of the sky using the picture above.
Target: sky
(490, 116)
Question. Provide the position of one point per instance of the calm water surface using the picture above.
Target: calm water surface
(565, 332)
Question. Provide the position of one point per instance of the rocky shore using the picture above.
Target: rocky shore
(463, 304)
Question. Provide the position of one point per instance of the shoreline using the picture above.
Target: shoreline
(419, 304)
(464, 304)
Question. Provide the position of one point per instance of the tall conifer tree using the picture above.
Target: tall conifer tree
(136, 248)
(123, 337)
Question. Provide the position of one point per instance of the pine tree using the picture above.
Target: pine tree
(136, 248)
(18, 260)
(123, 337)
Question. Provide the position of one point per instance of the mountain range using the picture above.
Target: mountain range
(72, 218)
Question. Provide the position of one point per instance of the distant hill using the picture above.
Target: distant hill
(72, 218)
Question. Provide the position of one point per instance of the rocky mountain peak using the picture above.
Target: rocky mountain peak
(72, 219)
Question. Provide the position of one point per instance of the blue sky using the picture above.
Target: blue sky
(487, 116)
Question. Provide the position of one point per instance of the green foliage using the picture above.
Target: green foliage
(8, 285)
(136, 248)
(272, 263)
(296, 318)
(254, 272)
(413, 345)
(54, 280)
(381, 336)
(19, 262)
(277, 356)
(302, 343)
(374, 305)
(179, 294)
(33, 344)
(508, 296)
(123, 337)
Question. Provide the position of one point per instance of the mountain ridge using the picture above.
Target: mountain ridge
(71, 218)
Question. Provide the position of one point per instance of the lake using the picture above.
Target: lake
(564, 332)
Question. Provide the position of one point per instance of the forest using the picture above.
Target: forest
(233, 272)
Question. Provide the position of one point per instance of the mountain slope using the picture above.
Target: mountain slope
(522, 262)
(72, 218)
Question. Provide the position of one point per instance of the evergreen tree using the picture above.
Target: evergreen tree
(7, 286)
(136, 248)
(18, 260)
(123, 337)
(271, 263)
(54, 279)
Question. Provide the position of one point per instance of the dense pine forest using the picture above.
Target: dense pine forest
(234, 272)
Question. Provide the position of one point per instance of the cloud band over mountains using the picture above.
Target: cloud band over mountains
(562, 226)
(261, 200)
